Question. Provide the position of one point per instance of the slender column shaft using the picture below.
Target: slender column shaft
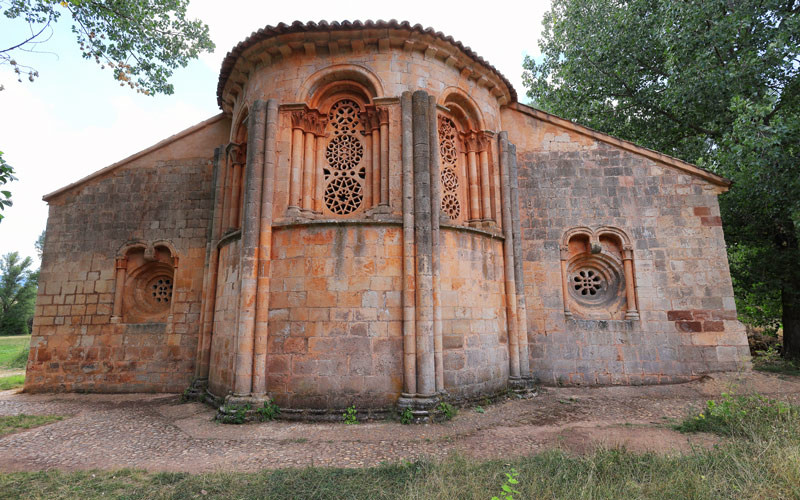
(119, 286)
(384, 167)
(296, 165)
(369, 179)
(265, 253)
(426, 375)
(226, 207)
(519, 276)
(630, 290)
(308, 171)
(474, 196)
(376, 165)
(564, 285)
(409, 301)
(508, 259)
(436, 204)
(248, 274)
(236, 193)
(210, 277)
(319, 177)
(486, 199)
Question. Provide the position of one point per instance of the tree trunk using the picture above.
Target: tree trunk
(790, 301)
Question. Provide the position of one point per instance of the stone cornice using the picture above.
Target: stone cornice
(273, 43)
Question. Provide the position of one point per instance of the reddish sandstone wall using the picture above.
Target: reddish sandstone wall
(474, 338)
(335, 335)
(688, 317)
(163, 194)
(226, 309)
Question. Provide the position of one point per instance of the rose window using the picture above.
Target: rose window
(344, 172)
(587, 282)
(450, 205)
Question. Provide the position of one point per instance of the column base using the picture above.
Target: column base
(631, 315)
(522, 385)
(423, 406)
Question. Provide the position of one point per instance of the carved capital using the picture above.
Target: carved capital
(234, 152)
(298, 118)
(371, 119)
(383, 115)
(122, 263)
(564, 250)
(472, 142)
(309, 121)
(627, 252)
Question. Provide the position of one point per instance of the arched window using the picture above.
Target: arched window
(344, 170)
(597, 274)
(145, 284)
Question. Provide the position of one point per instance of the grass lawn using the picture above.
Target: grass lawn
(14, 352)
(759, 459)
(17, 422)
(11, 382)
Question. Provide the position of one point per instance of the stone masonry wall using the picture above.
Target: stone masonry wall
(226, 317)
(688, 320)
(75, 346)
(474, 337)
(335, 319)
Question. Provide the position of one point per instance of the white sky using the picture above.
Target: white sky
(75, 119)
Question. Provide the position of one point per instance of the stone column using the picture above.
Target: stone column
(383, 118)
(436, 206)
(212, 268)
(250, 241)
(236, 194)
(319, 178)
(308, 171)
(508, 260)
(368, 177)
(259, 383)
(486, 196)
(519, 277)
(564, 282)
(426, 375)
(375, 148)
(472, 172)
(227, 175)
(630, 284)
(409, 268)
(119, 286)
(295, 177)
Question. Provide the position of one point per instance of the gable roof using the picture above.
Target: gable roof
(687, 167)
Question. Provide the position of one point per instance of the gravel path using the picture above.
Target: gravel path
(158, 433)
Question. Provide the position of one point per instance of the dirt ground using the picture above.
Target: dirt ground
(159, 433)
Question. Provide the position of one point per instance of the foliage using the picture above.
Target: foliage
(141, 41)
(407, 417)
(40, 243)
(446, 410)
(350, 415)
(13, 423)
(11, 382)
(18, 285)
(508, 486)
(6, 176)
(14, 352)
(771, 361)
(714, 83)
(269, 411)
(233, 413)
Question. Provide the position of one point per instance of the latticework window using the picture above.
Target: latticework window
(448, 152)
(344, 169)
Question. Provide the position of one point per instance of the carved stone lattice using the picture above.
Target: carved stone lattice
(587, 282)
(344, 173)
(344, 152)
(161, 289)
(343, 117)
(449, 155)
(451, 206)
(449, 179)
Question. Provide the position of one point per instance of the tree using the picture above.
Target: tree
(18, 285)
(141, 41)
(40, 243)
(714, 83)
(6, 176)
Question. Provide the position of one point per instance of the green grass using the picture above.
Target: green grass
(779, 365)
(14, 351)
(11, 382)
(17, 422)
(760, 458)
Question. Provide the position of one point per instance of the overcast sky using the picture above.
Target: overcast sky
(74, 119)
